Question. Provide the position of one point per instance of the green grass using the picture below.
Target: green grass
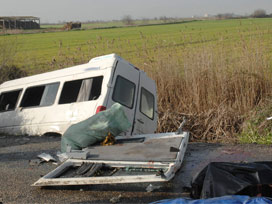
(257, 129)
(36, 51)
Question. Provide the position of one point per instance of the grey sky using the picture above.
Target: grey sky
(84, 10)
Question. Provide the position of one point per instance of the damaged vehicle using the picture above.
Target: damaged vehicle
(51, 102)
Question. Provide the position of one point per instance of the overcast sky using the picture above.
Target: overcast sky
(51, 11)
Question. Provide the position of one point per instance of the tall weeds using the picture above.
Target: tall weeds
(214, 86)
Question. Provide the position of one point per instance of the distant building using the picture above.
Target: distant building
(19, 22)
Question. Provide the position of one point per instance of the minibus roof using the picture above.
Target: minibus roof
(97, 63)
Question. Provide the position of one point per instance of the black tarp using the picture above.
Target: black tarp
(223, 178)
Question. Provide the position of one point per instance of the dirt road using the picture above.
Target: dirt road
(17, 173)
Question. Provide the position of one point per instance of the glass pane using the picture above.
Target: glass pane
(70, 92)
(49, 94)
(85, 90)
(147, 103)
(124, 92)
(96, 88)
(32, 96)
(9, 100)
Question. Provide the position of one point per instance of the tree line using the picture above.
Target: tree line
(258, 13)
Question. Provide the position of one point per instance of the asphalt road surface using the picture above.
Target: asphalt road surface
(17, 173)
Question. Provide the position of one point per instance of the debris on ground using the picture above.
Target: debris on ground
(228, 151)
(43, 157)
(100, 164)
(116, 199)
(22, 140)
(62, 156)
(151, 188)
(35, 162)
(46, 157)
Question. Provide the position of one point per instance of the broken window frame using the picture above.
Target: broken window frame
(162, 170)
(17, 100)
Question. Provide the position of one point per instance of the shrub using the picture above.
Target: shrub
(259, 13)
(257, 129)
(10, 73)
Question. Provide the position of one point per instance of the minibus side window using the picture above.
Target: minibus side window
(44, 95)
(96, 88)
(147, 103)
(81, 90)
(32, 96)
(124, 91)
(9, 100)
(70, 91)
(49, 94)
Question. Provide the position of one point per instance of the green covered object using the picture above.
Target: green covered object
(95, 129)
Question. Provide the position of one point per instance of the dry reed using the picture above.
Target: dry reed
(214, 87)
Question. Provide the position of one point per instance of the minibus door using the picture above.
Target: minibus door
(125, 90)
(146, 112)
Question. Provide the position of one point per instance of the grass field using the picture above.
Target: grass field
(216, 73)
(36, 51)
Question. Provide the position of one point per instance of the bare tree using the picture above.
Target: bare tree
(225, 15)
(127, 20)
(259, 13)
(164, 19)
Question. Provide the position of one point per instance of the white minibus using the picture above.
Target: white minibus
(49, 103)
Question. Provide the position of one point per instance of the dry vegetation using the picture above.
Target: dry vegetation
(215, 88)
